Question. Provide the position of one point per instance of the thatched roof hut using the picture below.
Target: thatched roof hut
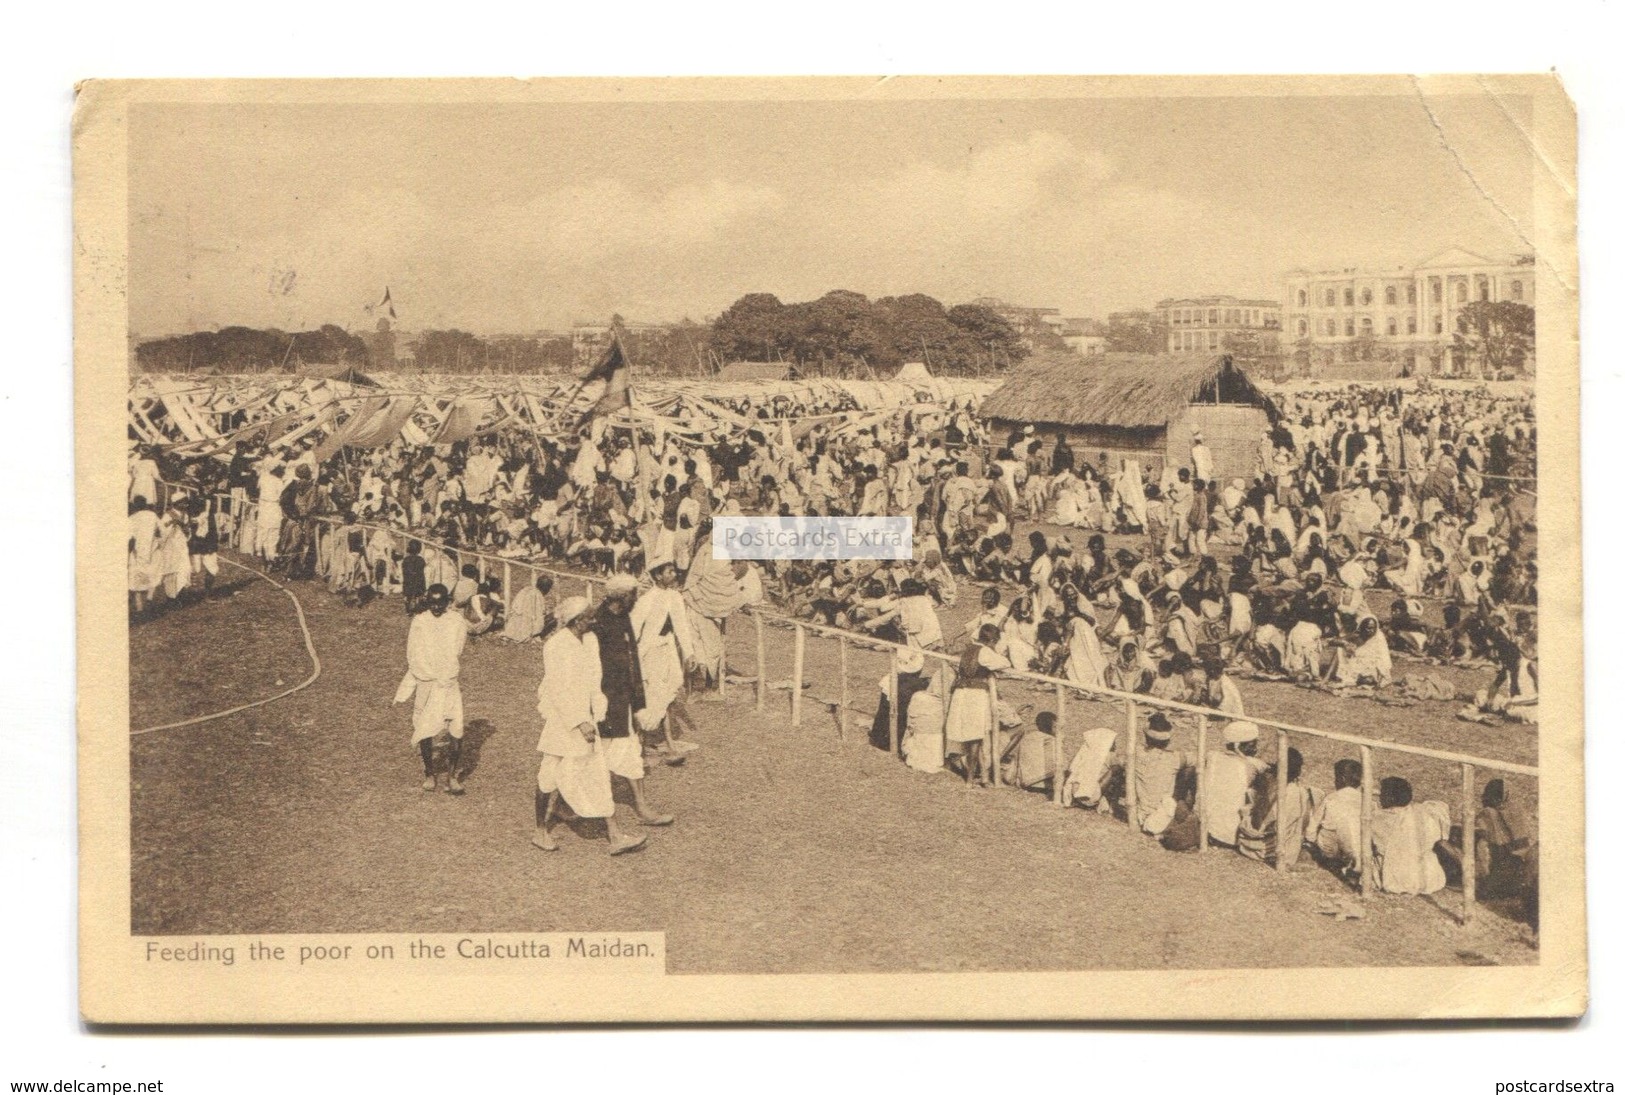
(1146, 406)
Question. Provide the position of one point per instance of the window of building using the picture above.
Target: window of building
(1391, 296)
(1517, 290)
(1348, 298)
(1303, 298)
(1331, 298)
(1303, 328)
(1365, 326)
(1410, 326)
(1483, 288)
(1393, 326)
(1213, 317)
(1331, 327)
(1213, 340)
(1438, 290)
(1438, 325)
(1348, 328)
(1461, 292)
(1365, 297)
(1410, 294)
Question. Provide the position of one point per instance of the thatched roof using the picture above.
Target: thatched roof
(756, 370)
(1126, 391)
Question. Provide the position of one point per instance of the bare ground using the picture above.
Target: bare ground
(795, 850)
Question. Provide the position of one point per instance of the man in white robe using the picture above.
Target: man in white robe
(571, 702)
(666, 646)
(434, 652)
(527, 616)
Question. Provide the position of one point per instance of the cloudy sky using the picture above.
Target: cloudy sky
(526, 216)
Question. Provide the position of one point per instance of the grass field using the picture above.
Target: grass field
(795, 850)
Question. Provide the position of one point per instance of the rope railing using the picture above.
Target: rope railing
(1132, 704)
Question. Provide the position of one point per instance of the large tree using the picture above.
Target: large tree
(754, 328)
(1495, 336)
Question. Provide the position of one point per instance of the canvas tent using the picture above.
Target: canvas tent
(199, 415)
(1144, 406)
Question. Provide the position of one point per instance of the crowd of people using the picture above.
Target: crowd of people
(1180, 582)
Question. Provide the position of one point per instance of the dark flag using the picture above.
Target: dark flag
(386, 304)
(611, 369)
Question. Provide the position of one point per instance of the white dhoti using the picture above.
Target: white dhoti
(970, 715)
(436, 706)
(583, 781)
(662, 681)
(707, 643)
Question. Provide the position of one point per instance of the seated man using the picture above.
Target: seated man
(1368, 661)
(1501, 844)
(1226, 780)
(1029, 760)
(1155, 772)
(1334, 826)
(1403, 837)
(1090, 770)
(1273, 820)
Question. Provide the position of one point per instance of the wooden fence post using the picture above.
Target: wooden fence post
(795, 685)
(1059, 776)
(1201, 771)
(1131, 794)
(896, 704)
(993, 729)
(1367, 812)
(841, 725)
(722, 667)
(1469, 847)
(761, 662)
(1282, 751)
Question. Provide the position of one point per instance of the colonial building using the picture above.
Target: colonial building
(1204, 324)
(1029, 323)
(1405, 316)
(1085, 337)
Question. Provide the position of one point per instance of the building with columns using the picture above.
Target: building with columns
(1405, 316)
(1205, 324)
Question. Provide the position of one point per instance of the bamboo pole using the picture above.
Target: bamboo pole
(795, 685)
(507, 582)
(1201, 766)
(761, 663)
(1469, 848)
(722, 668)
(896, 705)
(993, 729)
(1131, 793)
(1058, 777)
(1367, 812)
(841, 724)
(1282, 751)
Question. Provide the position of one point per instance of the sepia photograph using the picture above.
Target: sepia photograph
(998, 548)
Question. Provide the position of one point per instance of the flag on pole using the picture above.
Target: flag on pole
(386, 304)
(611, 369)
